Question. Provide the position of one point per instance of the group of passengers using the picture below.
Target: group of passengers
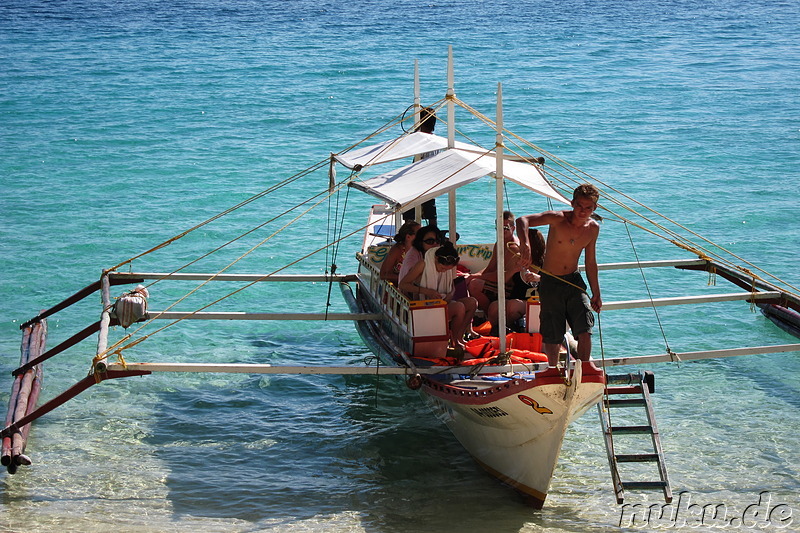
(424, 265)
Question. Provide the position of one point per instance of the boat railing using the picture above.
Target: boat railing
(393, 302)
(417, 326)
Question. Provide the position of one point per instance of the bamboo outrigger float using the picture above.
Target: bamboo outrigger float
(511, 420)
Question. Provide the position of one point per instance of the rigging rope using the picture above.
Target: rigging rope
(114, 349)
(337, 232)
(647, 288)
(569, 173)
(117, 348)
(580, 175)
(241, 204)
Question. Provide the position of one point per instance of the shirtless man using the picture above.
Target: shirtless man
(570, 234)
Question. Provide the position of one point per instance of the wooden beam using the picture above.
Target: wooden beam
(678, 263)
(186, 276)
(78, 296)
(740, 279)
(695, 356)
(72, 341)
(176, 315)
(686, 300)
(67, 395)
(244, 368)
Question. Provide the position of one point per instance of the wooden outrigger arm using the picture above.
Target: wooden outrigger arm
(67, 395)
(78, 296)
(755, 290)
(749, 283)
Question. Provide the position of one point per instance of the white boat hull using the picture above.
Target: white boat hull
(515, 429)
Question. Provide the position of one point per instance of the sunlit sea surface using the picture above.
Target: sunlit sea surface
(124, 123)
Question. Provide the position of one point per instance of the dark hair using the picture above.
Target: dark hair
(420, 236)
(447, 254)
(536, 242)
(508, 215)
(427, 120)
(405, 230)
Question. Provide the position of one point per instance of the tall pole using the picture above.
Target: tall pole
(451, 137)
(501, 245)
(417, 106)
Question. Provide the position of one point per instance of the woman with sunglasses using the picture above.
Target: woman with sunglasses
(390, 268)
(433, 279)
(427, 237)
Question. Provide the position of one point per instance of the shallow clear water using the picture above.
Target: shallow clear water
(124, 123)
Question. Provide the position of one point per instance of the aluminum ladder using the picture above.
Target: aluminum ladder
(628, 395)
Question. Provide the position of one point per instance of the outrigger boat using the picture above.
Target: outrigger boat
(507, 416)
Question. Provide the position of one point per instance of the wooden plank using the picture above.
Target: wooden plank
(688, 300)
(197, 276)
(244, 368)
(695, 356)
(176, 315)
(741, 279)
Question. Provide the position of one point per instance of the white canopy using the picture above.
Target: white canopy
(394, 149)
(448, 170)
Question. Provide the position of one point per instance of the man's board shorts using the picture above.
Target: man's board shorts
(561, 304)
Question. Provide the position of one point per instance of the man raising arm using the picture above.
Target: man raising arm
(562, 291)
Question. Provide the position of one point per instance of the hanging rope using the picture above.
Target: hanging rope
(337, 233)
(649, 294)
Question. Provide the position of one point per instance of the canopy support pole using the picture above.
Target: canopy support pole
(451, 139)
(500, 225)
(417, 108)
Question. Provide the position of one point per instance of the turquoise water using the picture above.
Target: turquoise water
(124, 123)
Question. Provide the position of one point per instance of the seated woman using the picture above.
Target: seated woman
(483, 285)
(432, 279)
(427, 237)
(523, 285)
(390, 268)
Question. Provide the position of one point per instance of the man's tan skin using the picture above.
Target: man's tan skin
(570, 234)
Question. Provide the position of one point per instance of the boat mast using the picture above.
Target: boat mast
(417, 106)
(500, 225)
(451, 137)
